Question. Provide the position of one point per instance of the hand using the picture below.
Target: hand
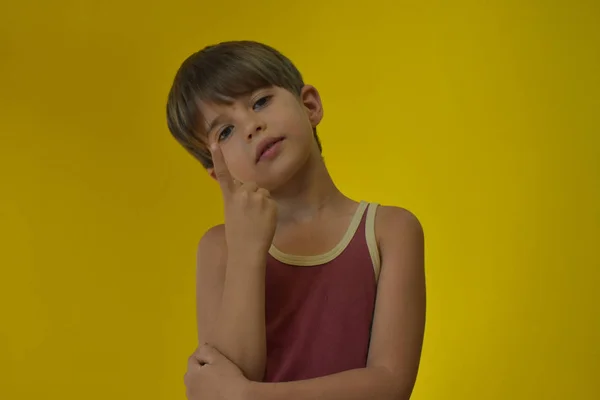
(212, 376)
(250, 213)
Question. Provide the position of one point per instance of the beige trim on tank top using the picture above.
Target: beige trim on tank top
(372, 239)
(309, 261)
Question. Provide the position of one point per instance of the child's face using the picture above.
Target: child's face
(244, 128)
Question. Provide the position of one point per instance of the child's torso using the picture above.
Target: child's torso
(319, 309)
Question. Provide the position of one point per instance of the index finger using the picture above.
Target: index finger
(220, 167)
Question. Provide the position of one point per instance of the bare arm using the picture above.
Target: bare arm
(231, 273)
(230, 303)
(398, 325)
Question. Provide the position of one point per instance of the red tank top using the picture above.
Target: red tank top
(319, 309)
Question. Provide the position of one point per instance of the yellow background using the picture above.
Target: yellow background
(481, 117)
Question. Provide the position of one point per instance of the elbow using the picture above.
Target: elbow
(254, 370)
(254, 376)
(250, 361)
(401, 386)
(401, 391)
(252, 366)
(403, 395)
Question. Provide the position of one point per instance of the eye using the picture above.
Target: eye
(261, 103)
(225, 133)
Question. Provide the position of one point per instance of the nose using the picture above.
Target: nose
(256, 126)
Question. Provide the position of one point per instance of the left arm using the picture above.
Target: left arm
(398, 326)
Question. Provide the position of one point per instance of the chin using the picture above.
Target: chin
(284, 171)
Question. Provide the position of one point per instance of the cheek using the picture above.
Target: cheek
(301, 127)
(291, 120)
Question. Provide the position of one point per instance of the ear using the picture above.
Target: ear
(311, 100)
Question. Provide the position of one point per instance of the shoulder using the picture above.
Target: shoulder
(394, 224)
(212, 245)
(400, 241)
(213, 235)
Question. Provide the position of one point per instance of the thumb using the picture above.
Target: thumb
(206, 354)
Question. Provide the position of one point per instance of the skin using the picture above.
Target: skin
(292, 201)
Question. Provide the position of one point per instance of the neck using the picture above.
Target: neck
(308, 193)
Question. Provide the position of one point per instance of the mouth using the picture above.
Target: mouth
(265, 145)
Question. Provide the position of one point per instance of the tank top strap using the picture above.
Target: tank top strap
(359, 220)
(372, 239)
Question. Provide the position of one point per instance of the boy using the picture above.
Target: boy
(303, 293)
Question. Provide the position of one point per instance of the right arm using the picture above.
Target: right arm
(230, 303)
(231, 273)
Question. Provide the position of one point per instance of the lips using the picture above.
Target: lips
(265, 145)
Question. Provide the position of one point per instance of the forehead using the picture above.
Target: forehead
(209, 107)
